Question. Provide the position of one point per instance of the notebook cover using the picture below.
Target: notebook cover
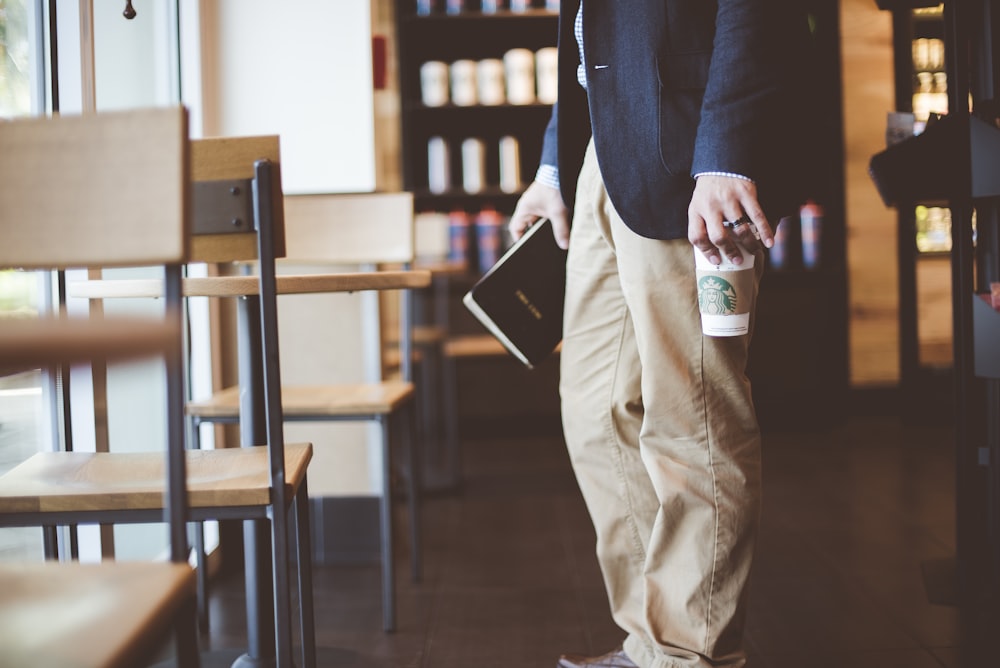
(520, 299)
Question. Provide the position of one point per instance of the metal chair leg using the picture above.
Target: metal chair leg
(186, 635)
(412, 450)
(198, 544)
(453, 447)
(282, 592)
(303, 547)
(386, 525)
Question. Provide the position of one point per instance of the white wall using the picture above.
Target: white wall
(300, 69)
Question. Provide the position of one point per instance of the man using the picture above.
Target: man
(672, 129)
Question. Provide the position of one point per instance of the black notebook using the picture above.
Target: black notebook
(520, 299)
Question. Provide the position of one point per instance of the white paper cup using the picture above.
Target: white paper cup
(463, 83)
(434, 83)
(490, 81)
(519, 67)
(510, 164)
(725, 294)
(547, 74)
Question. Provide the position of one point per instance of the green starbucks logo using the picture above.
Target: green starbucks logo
(716, 296)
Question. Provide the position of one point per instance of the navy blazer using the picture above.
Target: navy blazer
(676, 88)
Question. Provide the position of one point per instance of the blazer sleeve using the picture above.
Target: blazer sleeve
(747, 89)
(550, 143)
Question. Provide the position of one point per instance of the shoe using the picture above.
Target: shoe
(616, 658)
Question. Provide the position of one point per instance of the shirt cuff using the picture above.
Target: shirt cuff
(730, 174)
(548, 175)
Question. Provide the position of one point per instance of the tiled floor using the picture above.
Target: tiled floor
(511, 580)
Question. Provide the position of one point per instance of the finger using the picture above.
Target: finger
(560, 230)
(519, 224)
(763, 232)
(746, 233)
(700, 238)
(727, 233)
(747, 236)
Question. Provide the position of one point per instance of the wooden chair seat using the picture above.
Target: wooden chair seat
(320, 401)
(54, 482)
(57, 615)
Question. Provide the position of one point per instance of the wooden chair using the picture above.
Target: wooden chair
(233, 180)
(72, 191)
(363, 232)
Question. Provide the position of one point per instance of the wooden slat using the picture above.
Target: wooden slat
(372, 228)
(73, 615)
(68, 481)
(224, 158)
(237, 286)
(33, 343)
(866, 57)
(316, 401)
(107, 189)
(218, 158)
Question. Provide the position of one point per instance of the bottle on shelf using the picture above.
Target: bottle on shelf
(778, 254)
(811, 223)
(438, 165)
(489, 237)
(428, 7)
(473, 165)
(458, 237)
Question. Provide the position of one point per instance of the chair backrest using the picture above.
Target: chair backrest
(102, 190)
(105, 190)
(369, 228)
(229, 162)
(249, 169)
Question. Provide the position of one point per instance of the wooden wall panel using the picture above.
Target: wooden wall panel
(866, 42)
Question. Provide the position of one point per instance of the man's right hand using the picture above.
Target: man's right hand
(541, 201)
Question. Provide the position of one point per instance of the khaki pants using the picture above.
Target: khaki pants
(663, 438)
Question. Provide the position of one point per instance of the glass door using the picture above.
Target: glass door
(25, 409)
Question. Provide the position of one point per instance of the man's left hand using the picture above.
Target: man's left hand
(718, 200)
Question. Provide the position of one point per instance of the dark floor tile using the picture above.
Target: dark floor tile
(504, 627)
(810, 611)
(827, 659)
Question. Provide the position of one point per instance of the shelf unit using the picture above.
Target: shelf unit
(469, 35)
(925, 375)
(958, 159)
